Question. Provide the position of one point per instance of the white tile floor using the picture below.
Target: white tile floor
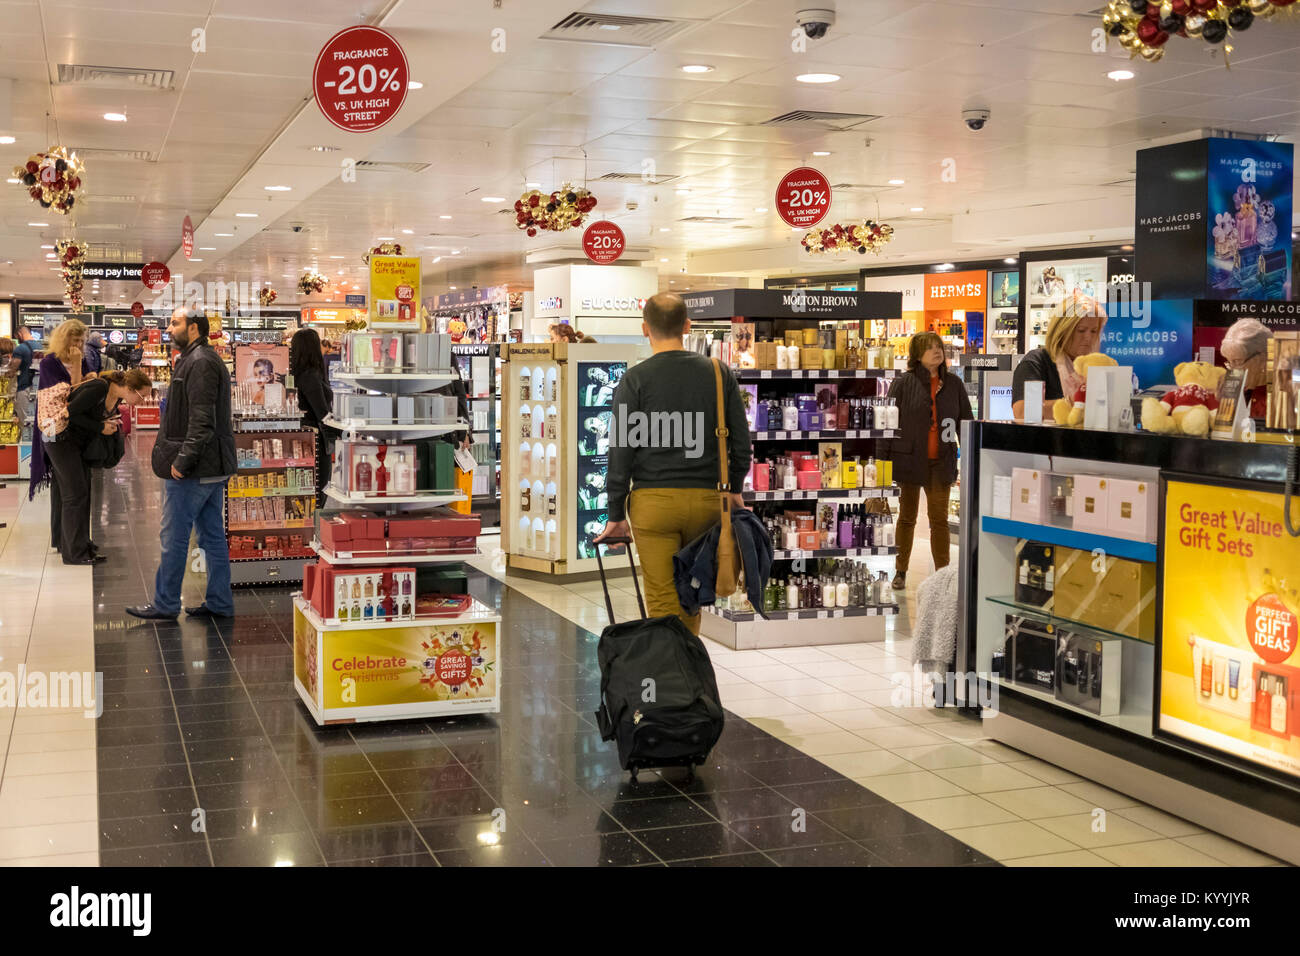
(49, 811)
(834, 703)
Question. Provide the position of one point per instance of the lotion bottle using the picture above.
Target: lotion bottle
(1277, 707)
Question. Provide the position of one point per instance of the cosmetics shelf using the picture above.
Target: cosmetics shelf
(429, 557)
(1068, 538)
(397, 383)
(430, 498)
(477, 613)
(267, 424)
(786, 555)
(1135, 721)
(812, 493)
(270, 492)
(253, 464)
(357, 426)
(291, 524)
(828, 434)
(807, 613)
(1047, 617)
(825, 374)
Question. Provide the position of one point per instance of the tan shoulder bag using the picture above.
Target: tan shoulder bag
(728, 556)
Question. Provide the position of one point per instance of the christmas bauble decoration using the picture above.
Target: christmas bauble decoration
(1240, 18)
(1214, 31)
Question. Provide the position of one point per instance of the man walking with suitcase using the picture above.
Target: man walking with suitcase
(194, 454)
(663, 458)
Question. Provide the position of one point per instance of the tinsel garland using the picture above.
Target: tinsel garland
(72, 257)
(867, 236)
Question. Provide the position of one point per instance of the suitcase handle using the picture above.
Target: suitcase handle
(604, 585)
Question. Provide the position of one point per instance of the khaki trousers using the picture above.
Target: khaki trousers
(936, 508)
(663, 520)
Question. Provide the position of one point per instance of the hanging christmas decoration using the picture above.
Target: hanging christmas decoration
(866, 236)
(72, 256)
(266, 296)
(566, 208)
(311, 283)
(383, 249)
(1144, 28)
(52, 178)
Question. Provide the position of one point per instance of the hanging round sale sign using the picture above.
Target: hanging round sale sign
(187, 237)
(603, 242)
(360, 78)
(155, 275)
(803, 197)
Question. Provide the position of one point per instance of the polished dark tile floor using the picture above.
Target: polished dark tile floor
(206, 757)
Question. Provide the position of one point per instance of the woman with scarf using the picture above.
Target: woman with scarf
(1075, 329)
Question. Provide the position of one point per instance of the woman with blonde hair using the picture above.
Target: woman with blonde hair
(56, 463)
(1075, 329)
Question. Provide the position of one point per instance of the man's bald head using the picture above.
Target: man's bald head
(665, 316)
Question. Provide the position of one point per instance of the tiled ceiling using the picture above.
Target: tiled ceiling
(240, 117)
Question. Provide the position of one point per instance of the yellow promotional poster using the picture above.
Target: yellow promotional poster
(395, 292)
(1230, 672)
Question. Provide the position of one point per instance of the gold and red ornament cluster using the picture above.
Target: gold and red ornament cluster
(866, 236)
(72, 256)
(383, 249)
(1143, 28)
(52, 178)
(266, 295)
(310, 283)
(566, 208)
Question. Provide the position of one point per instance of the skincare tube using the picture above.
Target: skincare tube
(377, 350)
(1220, 671)
(1234, 675)
(1197, 653)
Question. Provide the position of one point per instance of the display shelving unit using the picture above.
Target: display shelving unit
(485, 415)
(439, 654)
(773, 312)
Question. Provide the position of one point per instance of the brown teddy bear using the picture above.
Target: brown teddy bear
(1069, 410)
(1188, 409)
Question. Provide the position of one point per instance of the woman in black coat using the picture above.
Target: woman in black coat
(931, 404)
(315, 400)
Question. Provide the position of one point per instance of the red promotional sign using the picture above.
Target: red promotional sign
(803, 197)
(603, 242)
(360, 79)
(187, 237)
(137, 309)
(155, 275)
(454, 668)
(1271, 627)
(404, 293)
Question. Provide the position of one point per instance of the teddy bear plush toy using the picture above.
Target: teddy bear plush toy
(1189, 408)
(1069, 410)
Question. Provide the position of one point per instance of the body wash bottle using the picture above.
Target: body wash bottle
(1263, 704)
(1277, 707)
(1207, 674)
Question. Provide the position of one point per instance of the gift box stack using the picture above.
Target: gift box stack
(364, 533)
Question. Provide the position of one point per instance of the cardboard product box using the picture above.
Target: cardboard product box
(1060, 500)
(1126, 600)
(1132, 510)
(309, 571)
(1089, 671)
(765, 355)
(444, 522)
(1035, 574)
(808, 480)
(810, 356)
(380, 408)
(1032, 652)
(1029, 495)
(1078, 583)
(832, 463)
(406, 409)
(1091, 504)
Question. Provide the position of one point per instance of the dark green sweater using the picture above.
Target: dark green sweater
(663, 431)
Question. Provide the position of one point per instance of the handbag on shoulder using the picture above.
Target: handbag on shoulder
(52, 410)
(728, 555)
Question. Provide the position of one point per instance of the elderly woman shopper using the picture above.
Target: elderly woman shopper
(1245, 346)
(1075, 329)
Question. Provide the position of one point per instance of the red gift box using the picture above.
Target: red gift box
(759, 476)
(808, 479)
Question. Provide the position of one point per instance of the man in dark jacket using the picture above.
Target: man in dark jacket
(194, 454)
(94, 352)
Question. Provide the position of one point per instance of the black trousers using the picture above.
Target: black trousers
(69, 501)
(325, 437)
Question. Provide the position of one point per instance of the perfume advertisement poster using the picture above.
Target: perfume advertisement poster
(1249, 215)
(596, 384)
(1004, 290)
(1153, 343)
(1229, 671)
(1170, 225)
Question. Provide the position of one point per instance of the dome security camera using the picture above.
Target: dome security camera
(975, 119)
(816, 21)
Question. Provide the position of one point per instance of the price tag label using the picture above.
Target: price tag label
(780, 436)
(821, 615)
(765, 373)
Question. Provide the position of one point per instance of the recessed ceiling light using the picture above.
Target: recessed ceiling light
(760, 209)
(287, 276)
(1010, 260)
(918, 209)
(610, 26)
(54, 269)
(663, 260)
(452, 288)
(821, 152)
(385, 239)
(444, 217)
(207, 248)
(945, 266)
(682, 191)
(664, 229)
(38, 225)
(12, 181)
(671, 281)
(455, 252)
(408, 232)
(697, 68)
(492, 199)
(226, 235)
(817, 77)
(323, 149)
(415, 85)
(437, 259)
(277, 189)
(245, 215)
(1118, 75)
(50, 255)
(7, 140)
(194, 260)
(336, 257)
(47, 247)
(1130, 248)
(897, 182)
(115, 117)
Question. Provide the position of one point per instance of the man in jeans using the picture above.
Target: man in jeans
(21, 365)
(664, 448)
(194, 454)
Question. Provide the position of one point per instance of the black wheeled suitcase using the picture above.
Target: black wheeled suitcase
(658, 693)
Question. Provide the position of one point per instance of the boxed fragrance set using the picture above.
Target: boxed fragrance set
(1115, 507)
(394, 409)
(395, 352)
(1079, 669)
(392, 470)
(1098, 590)
(440, 530)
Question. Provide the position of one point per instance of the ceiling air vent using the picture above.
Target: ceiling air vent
(614, 30)
(368, 166)
(127, 155)
(97, 198)
(636, 178)
(114, 77)
(104, 226)
(820, 119)
(714, 219)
